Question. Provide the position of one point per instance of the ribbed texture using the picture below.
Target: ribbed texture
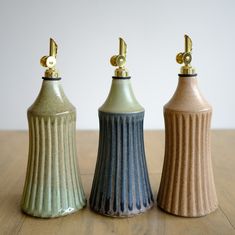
(52, 186)
(187, 184)
(121, 184)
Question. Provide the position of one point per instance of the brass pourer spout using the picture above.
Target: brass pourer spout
(50, 61)
(120, 60)
(186, 57)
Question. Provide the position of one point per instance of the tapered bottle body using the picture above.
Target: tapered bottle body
(187, 184)
(121, 185)
(52, 186)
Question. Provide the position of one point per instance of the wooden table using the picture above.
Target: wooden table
(13, 160)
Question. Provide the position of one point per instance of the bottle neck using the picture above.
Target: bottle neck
(187, 84)
(187, 97)
(121, 98)
(51, 99)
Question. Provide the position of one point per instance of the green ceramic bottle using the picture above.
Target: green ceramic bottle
(53, 186)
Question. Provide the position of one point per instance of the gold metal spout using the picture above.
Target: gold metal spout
(50, 61)
(120, 60)
(186, 57)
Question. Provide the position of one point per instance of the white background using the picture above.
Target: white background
(87, 34)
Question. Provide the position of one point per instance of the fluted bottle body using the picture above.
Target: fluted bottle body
(187, 184)
(121, 185)
(52, 186)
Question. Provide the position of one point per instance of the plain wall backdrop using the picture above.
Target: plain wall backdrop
(87, 35)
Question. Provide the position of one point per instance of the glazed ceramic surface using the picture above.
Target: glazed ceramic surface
(121, 185)
(187, 184)
(121, 98)
(53, 186)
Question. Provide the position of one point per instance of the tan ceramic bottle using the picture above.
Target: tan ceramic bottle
(187, 183)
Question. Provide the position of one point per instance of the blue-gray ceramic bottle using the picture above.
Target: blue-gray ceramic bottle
(121, 186)
(53, 186)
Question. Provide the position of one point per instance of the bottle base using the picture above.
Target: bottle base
(196, 215)
(123, 215)
(60, 213)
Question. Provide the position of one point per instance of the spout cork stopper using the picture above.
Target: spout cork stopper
(120, 60)
(186, 57)
(50, 61)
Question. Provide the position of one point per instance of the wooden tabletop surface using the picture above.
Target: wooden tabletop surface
(13, 160)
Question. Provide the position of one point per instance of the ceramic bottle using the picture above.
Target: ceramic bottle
(121, 185)
(187, 184)
(53, 186)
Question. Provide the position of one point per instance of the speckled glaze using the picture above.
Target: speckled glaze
(187, 184)
(52, 186)
(121, 185)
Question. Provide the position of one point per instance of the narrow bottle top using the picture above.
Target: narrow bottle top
(186, 57)
(120, 60)
(50, 61)
(187, 97)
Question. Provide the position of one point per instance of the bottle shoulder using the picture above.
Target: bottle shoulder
(188, 98)
(121, 98)
(51, 100)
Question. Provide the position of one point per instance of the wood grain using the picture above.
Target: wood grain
(13, 159)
